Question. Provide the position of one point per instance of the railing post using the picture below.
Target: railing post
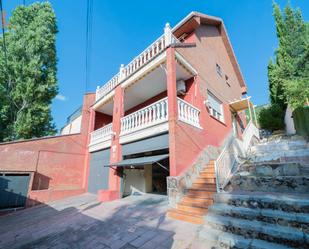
(97, 93)
(121, 73)
(167, 34)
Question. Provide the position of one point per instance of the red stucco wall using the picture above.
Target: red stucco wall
(191, 141)
(57, 164)
(102, 119)
(146, 103)
(209, 50)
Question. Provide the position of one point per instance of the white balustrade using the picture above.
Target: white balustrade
(108, 87)
(153, 114)
(138, 62)
(250, 131)
(188, 113)
(101, 135)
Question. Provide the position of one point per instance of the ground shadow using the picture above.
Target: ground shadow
(85, 223)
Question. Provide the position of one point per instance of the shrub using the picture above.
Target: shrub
(271, 118)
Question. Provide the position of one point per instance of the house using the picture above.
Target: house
(152, 120)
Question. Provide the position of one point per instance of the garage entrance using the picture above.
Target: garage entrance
(143, 173)
(145, 165)
(13, 190)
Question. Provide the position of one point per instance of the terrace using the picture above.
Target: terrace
(144, 81)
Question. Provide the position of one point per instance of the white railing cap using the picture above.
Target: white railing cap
(187, 103)
(144, 108)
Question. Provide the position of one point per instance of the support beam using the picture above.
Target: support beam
(254, 115)
(249, 107)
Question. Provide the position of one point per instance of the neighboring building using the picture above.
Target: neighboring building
(155, 117)
(73, 124)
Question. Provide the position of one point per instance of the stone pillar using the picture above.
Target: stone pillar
(172, 107)
(116, 156)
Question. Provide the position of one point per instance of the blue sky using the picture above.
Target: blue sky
(122, 29)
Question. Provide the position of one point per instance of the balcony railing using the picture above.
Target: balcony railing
(101, 135)
(138, 62)
(154, 114)
(188, 113)
(108, 87)
(151, 115)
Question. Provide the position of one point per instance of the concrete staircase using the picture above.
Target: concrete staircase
(194, 205)
(267, 201)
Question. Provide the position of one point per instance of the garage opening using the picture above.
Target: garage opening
(13, 190)
(144, 173)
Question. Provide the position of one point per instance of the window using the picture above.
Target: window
(215, 107)
(218, 68)
(227, 80)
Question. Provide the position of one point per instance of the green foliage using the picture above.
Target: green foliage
(288, 74)
(28, 80)
(301, 121)
(271, 117)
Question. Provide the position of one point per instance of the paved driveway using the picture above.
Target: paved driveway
(82, 222)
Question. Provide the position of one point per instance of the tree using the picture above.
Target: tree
(271, 117)
(288, 74)
(28, 80)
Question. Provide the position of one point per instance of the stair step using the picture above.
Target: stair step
(210, 168)
(187, 200)
(282, 184)
(258, 230)
(284, 202)
(199, 193)
(185, 216)
(284, 145)
(289, 155)
(194, 209)
(204, 179)
(274, 169)
(297, 220)
(208, 175)
(214, 238)
(204, 185)
(207, 187)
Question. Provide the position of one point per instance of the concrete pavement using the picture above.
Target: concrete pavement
(82, 222)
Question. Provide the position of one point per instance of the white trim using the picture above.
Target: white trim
(144, 70)
(183, 61)
(103, 100)
(99, 146)
(145, 132)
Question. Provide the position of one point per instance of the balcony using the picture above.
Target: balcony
(189, 114)
(148, 121)
(151, 52)
(101, 138)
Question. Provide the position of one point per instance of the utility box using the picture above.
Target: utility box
(181, 87)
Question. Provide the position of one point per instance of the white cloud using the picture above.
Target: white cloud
(61, 97)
